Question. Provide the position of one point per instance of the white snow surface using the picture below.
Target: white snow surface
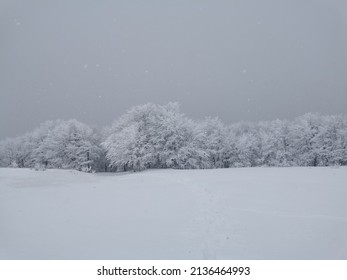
(245, 213)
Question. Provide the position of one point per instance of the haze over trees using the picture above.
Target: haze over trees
(156, 136)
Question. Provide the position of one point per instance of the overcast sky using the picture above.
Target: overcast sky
(236, 59)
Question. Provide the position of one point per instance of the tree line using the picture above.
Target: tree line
(155, 136)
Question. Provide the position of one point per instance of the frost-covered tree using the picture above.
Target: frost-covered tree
(70, 144)
(249, 144)
(174, 140)
(276, 143)
(304, 140)
(152, 136)
(212, 137)
(100, 163)
(8, 150)
(3, 159)
(15, 152)
(330, 141)
(35, 141)
(340, 146)
(128, 145)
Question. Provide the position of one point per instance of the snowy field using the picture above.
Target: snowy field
(246, 213)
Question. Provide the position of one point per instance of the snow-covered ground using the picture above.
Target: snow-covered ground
(246, 213)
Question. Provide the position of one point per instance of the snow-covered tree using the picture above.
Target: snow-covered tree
(304, 140)
(8, 148)
(15, 152)
(249, 145)
(330, 141)
(35, 141)
(212, 137)
(70, 144)
(151, 136)
(174, 140)
(276, 142)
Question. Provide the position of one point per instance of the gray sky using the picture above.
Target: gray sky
(236, 59)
